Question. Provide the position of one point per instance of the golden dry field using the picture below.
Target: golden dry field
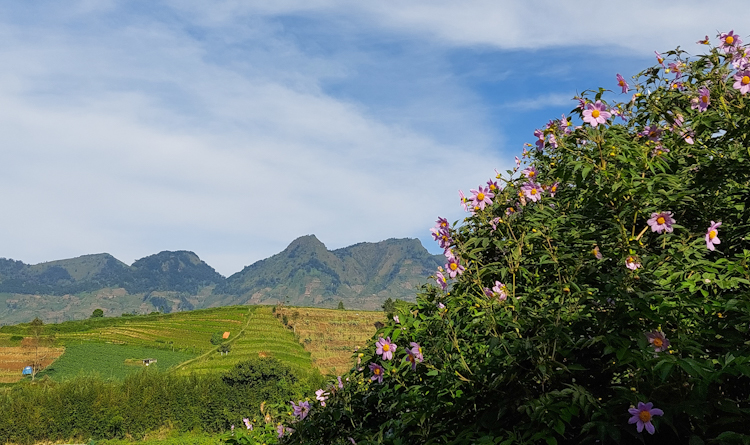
(14, 359)
(330, 335)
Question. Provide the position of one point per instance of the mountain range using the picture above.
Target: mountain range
(306, 273)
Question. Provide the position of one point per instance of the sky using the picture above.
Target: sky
(230, 128)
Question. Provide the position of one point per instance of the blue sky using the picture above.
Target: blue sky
(230, 128)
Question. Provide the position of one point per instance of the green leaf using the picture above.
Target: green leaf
(432, 373)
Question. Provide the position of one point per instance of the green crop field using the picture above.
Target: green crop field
(110, 361)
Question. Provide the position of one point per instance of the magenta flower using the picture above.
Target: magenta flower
(596, 114)
(532, 191)
(712, 233)
(463, 200)
(652, 132)
(742, 82)
(341, 384)
(442, 223)
(493, 186)
(729, 41)
(642, 416)
(632, 263)
(301, 410)
(622, 83)
(453, 267)
(377, 372)
(658, 340)
(248, 425)
(702, 101)
(661, 221)
(416, 350)
(529, 172)
(597, 253)
(705, 41)
(440, 306)
(481, 197)
(385, 347)
(677, 68)
(500, 290)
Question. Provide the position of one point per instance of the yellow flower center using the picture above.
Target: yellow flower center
(660, 59)
(553, 188)
(533, 191)
(532, 173)
(659, 152)
(729, 40)
(712, 234)
(621, 83)
(480, 196)
(376, 371)
(658, 343)
(704, 99)
(645, 416)
(493, 186)
(453, 266)
(595, 113)
(660, 220)
(745, 80)
(386, 347)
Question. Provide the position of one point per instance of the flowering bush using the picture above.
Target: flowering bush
(562, 318)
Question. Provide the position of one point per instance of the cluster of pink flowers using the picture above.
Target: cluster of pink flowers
(385, 348)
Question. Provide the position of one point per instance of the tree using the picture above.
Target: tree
(389, 307)
(217, 338)
(341, 306)
(598, 293)
(98, 313)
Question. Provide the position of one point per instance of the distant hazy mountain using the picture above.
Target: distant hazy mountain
(362, 276)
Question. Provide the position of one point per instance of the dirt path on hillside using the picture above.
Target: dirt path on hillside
(204, 355)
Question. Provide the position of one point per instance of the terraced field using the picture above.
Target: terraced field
(112, 347)
(330, 335)
(263, 336)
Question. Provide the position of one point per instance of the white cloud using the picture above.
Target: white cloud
(139, 140)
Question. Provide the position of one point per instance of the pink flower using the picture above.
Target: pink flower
(529, 172)
(377, 372)
(712, 235)
(565, 125)
(322, 396)
(622, 83)
(385, 347)
(248, 425)
(702, 101)
(440, 279)
(652, 132)
(463, 200)
(742, 82)
(553, 189)
(597, 253)
(539, 139)
(414, 355)
(493, 186)
(705, 41)
(494, 222)
(658, 340)
(453, 267)
(659, 58)
(481, 197)
(532, 191)
(642, 416)
(632, 263)
(729, 41)
(596, 114)
(661, 221)
(659, 150)
(500, 290)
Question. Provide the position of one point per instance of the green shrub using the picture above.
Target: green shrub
(568, 313)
